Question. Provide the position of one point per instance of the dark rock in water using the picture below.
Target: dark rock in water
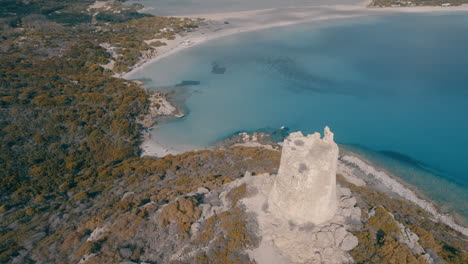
(217, 69)
(401, 157)
(275, 134)
(264, 136)
(418, 164)
(187, 83)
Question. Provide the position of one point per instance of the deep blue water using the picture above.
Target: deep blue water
(396, 86)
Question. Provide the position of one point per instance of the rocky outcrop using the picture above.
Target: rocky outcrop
(98, 233)
(347, 172)
(285, 241)
(304, 190)
(160, 107)
(410, 239)
(302, 215)
(254, 140)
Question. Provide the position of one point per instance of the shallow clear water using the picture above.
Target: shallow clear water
(188, 7)
(397, 85)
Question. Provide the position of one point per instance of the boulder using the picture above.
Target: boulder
(125, 253)
(349, 242)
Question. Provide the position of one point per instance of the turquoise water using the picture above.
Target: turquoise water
(396, 86)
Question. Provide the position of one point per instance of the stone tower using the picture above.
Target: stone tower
(305, 187)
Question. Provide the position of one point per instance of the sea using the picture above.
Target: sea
(190, 7)
(393, 88)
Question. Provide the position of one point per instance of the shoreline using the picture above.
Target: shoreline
(373, 176)
(401, 188)
(214, 25)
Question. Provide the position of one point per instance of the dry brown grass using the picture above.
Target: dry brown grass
(183, 212)
(378, 242)
(447, 243)
(228, 237)
(237, 193)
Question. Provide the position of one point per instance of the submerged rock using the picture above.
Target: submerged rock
(217, 69)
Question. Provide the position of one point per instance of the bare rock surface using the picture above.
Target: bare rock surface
(347, 172)
(302, 215)
(292, 242)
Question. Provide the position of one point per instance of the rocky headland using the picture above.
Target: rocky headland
(218, 207)
(318, 208)
(303, 216)
(161, 108)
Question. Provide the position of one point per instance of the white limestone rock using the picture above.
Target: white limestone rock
(199, 191)
(349, 242)
(343, 192)
(347, 172)
(305, 188)
(324, 239)
(409, 238)
(348, 202)
(340, 235)
(127, 195)
(98, 233)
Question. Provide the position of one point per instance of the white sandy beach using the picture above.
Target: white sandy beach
(153, 147)
(247, 21)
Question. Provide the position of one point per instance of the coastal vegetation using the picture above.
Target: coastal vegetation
(379, 240)
(121, 209)
(395, 3)
(65, 122)
(72, 183)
